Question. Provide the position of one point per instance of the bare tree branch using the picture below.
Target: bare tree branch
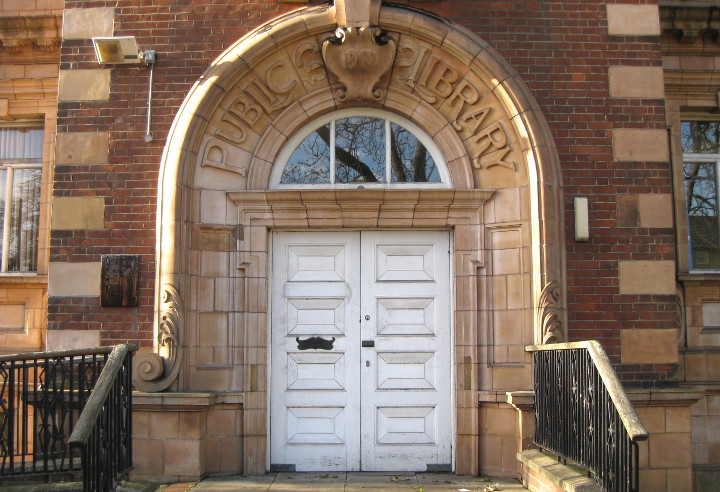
(347, 158)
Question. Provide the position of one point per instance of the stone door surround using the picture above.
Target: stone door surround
(240, 114)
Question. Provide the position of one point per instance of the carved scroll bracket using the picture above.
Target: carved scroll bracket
(359, 54)
(550, 314)
(156, 371)
(359, 57)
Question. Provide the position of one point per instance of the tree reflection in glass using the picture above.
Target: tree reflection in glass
(3, 201)
(310, 162)
(366, 150)
(360, 150)
(702, 204)
(702, 137)
(24, 220)
(409, 159)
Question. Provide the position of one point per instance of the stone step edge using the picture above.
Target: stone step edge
(550, 471)
(125, 486)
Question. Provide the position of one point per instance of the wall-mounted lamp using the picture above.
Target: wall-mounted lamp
(582, 227)
(124, 50)
(121, 49)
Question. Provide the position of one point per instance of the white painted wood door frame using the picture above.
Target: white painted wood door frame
(383, 406)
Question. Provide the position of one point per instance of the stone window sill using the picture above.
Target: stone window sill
(23, 278)
(699, 276)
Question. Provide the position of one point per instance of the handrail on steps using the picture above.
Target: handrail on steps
(635, 428)
(107, 413)
(583, 414)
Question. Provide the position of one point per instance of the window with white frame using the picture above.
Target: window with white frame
(701, 158)
(368, 148)
(20, 179)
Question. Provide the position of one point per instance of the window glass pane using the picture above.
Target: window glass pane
(310, 162)
(21, 143)
(700, 136)
(409, 159)
(701, 192)
(360, 150)
(24, 220)
(3, 199)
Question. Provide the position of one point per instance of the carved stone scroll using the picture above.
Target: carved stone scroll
(359, 58)
(157, 371)
(680, 317)
(550, 314)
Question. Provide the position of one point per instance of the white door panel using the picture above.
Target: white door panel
(314, 412)
(406, 370)
(341, 405)
(316, 263)
(318, 316)
(406, 311)
(406, 316)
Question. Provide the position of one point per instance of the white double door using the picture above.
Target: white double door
(360, 334)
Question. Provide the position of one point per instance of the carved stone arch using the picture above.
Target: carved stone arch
(214, 206)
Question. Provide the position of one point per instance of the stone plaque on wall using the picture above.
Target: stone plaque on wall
(120, 281)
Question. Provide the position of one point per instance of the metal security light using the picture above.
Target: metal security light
(123, 50)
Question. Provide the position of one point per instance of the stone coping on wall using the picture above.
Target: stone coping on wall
(671, 397)
(183, 401)
(513, 397)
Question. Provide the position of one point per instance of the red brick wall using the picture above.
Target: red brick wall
(562, 50)
(187, 36)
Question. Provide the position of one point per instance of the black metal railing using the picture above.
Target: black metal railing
(583, 415)
(104, 430)
(41, 397)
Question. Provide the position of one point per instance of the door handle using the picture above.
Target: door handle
(368, 343)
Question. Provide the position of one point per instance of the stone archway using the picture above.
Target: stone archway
(215, 209)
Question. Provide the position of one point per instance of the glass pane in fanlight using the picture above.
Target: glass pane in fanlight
(24, 220)
(409, 159)
(310, 161)
(360, 150)
(702, 211)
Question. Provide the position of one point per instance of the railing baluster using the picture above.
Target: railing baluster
(29, 376)
(99, 431)
(42, 396)
(11, 416)
(582, 414)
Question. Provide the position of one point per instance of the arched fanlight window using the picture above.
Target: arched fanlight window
(352, 148)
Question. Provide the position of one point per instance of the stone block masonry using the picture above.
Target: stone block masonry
(612, 143)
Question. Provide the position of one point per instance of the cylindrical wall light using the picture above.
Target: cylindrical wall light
(582, 228)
